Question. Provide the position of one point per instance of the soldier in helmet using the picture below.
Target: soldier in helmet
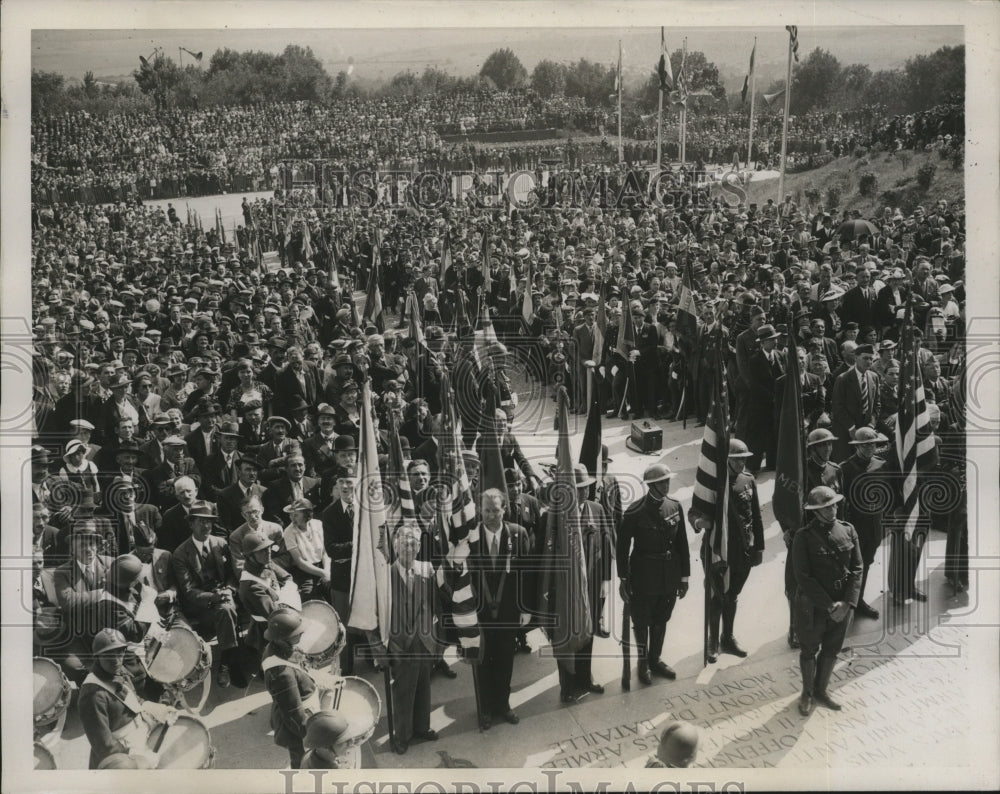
(746, 551)
(678, 746)
(820, 470)
(326, 733)
(827, 561)
(654, 565)
(862, 506)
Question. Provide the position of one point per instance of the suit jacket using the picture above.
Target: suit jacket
(287, 385)
(229, 501)
(318, 454)
(813, 398)
(279, 495)
(415, 626)
(216, 475)
(584, 339)
(174, 529)
(161, 573)
(159, 481)
(886, 305)
(848, 411)
(147, 514)
(502, 595)
(746, 346)
(153, 450)
(428, 451)
(195, 583)
(855, 307)
(111, 415)
(75, 594)
(251, 440)
(196, 445)
(760, 430)
(338, 538)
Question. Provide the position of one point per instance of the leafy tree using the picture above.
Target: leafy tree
(303, 74)
(548, 79)
(46, 91)
(888, 87)
(936, 78)
(852, 89)
(505, 69)
(814, 81)
(158, 78)
(702, 78)
(591, 81)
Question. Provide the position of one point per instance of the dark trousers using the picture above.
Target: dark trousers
(411, 695)
(723, 605)
(295, 753)
(624, 393)
(956, 562)
(496, 668)
(904, 558)
(575, 669)
(650, 613)
(818, 633)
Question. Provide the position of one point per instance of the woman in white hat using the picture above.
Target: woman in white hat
(77, 469)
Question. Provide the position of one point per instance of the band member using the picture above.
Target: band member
(653, 565)
(325, 741)
(261, 582)
(828, 568)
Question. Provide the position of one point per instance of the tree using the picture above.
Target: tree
(158, 78)
(505, 69)
(935, 78)
(814, 81)
(887, 87)
(46, 91)
(548, 79)
(591, 81)
(303, 75)
(851, 92)
(90, 84)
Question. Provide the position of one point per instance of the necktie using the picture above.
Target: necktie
(495, 548)
(864, 396)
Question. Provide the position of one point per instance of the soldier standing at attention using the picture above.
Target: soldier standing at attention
(654, 565)
(828, 567)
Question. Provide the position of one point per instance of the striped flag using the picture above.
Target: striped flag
(687, 311)
(793, 32)
(682, 86)
(746, 80)
(626, 336)
(370, 591)
(457, 516)
(663, 70)
(790, 473)
(397, 474)
(914, 442)
(711, 487)
(373, 302)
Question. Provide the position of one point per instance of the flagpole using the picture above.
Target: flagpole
(753, 91)
(784, 125)
(621, 151)
(684, 106)
(659, 131)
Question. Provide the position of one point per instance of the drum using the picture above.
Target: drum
(183, 660)
(361, 706)
(187, 745)
(43, 758)
(323, 637)
(52, 691)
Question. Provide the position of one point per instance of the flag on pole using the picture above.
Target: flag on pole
(771, 98)
(528, 305)
(413, 313)
(590, 447)
(711, 487)
(486, 264)
(490, 462)
(682, 86)
(600, 329)
(373, 302)
(914, 441)
(793, 32)
(687, 311)
(445, 258)
(626, 336)
(397, 472)
(307, 247)
(790, 473)
(749, 75)
(370, 591)
(663, 70)
(458, 522)
(565, 605)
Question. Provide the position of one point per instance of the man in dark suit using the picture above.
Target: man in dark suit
(294, 379)
(205, 440)
(583, 350)
(230, 499)
(746, 346)
(160, 479)
(291, 486)
(415, 639)
(219, 469)
(497, 561)
(764, 369)
(175, 527)
(318, 449)
(828, 347)
(858, 304)
(253, 429)
(856, 396)
(338, 539)
(132, 521)
(153, 449)
(122, 405)
(813, 396)
(208, 590)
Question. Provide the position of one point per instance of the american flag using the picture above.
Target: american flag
(914, 442)
(711, 487)
(793, 32)
(397, 473)
(457, 515)
(682, 86)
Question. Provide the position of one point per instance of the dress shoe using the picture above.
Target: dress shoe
(866, 611)
(222, 679)
(806, 705)
(824, 700)
(662, 669)
(427, 736)
(730, 646)
(398, 747)
(511, 716)
(793, 641)
(713, 654)
(595, 688)
(442, 667)
(644, 676)
(573, 697)
(484, 723)
(603, 633)
(919, 596)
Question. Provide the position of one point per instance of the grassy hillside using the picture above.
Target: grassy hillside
(896, 184)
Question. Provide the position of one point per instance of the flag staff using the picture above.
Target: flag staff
(621, 151)
(682, 85)
(753, 92)
(659, 111)
(784, 124)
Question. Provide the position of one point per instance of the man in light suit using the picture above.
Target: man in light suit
(856, 401)
(583, 350)
(208, 591)
(415, 639)
(175, 527)
(498, 563)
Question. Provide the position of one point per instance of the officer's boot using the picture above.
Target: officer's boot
(824, 668)
(641, 648)
(793, 639)
(656, 665)
(864, 609)
(806, 704)
(713, 633)
(729, 644)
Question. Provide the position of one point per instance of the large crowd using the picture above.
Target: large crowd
(198, 414)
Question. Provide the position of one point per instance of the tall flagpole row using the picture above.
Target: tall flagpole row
(753, 92)
(784, 126)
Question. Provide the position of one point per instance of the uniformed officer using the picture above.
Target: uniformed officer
(746, 550)
(654, 566)
(862, 507)
(828, 567)
(820, 470)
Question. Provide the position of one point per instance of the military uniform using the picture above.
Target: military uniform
(111, 714)
(828, 568)
(653, 558)
(859, 477)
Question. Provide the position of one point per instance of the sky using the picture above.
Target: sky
(378, 54)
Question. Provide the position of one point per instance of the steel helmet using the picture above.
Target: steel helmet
(867, 435)
(656, 473)
(108, 640)
(822, 496)
(254, 542)
(678, 744)
(737, 449)
(325, 729)
(284, 625)
(819, 436)
(125, 570)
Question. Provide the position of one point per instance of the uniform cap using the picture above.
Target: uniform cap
(325, 729)
(867, 435)
(656, 473)
(253, 542)
(125, 570)
(582, 476)
(819, 436)
(738, 449)
(678, 744)
(108, 640)
(822, 496)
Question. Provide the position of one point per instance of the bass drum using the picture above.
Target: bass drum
(43, 758)
(52, 692)
(323, 635)
(187, 745)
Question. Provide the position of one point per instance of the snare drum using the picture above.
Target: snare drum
(52, 691)
(183, 661)
(323, 636)
(360, 704)
(187, 745)
(43, 758)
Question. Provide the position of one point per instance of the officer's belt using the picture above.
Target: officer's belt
(665, 555)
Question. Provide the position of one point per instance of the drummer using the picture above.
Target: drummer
(294, 696)
(327, 743)
(114, 718)
(261, 582)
